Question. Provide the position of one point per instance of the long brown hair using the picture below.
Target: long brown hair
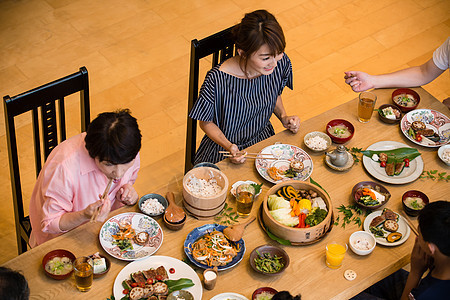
(256, 29)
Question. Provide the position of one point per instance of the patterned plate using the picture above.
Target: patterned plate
(435, 120)
(284, 154)
(198, 232)
(139, 222)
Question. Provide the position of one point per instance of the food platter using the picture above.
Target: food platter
(283, 154)
(434, 120)
(229, 296)
(403, 228)
(409, 174)
(140, 223)
(182, 270)
(198, 232)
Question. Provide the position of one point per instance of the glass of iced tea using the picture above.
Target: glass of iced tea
(335, 253)
(245, 194)
(366, 105)
(83, 268)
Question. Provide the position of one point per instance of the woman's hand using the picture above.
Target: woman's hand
(291, 122)
(359, 81)
(237, 156)
(127, 194)
(91, 209)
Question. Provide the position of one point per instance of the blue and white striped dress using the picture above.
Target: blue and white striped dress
(241, 108)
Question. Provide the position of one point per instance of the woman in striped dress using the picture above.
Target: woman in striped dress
(239, 96)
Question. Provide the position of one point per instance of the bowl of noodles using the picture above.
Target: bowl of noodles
(206, 247)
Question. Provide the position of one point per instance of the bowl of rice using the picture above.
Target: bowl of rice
(444, 154)
(204, 191)
(317, 141)
(153, 205)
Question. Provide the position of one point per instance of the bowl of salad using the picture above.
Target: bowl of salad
(297, 211)
(369, 194)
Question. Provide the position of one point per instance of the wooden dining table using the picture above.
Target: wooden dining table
(307, 273)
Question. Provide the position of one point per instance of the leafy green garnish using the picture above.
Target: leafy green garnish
(227, 216)
(175, 285)
(431, 175)
(257, 187)
(351, 214)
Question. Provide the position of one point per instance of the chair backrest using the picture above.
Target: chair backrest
(221, 46)
(49, 99)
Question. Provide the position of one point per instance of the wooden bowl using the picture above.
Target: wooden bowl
(413, 193)
(205, 205)
(203, 213)
(57, 253)
(373, 185)
(387, 120)
(347, 124)
(300, 236)
(403, 108)
(174, 226)
(273, 251)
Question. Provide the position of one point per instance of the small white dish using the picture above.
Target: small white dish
(320, 134)
(441, 153)
(361, 236)
(238, 183)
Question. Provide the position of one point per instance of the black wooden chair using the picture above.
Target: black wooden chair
(49, 98)
(221, 46)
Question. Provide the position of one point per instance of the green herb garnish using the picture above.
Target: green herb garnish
(257, 187)
(227, 216)
(432, 175)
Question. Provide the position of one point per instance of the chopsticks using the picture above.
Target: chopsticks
(408, 221)
(105, 193)
(250, 155)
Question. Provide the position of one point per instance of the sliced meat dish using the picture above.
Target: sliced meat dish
(138, 277)
(390, 215)
(377, 221)
(390, 169)
(150, 274)
(399, 167)
(162, 271)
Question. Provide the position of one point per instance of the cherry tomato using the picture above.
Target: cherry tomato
(125, 291)
(418, 138)
(406, 163)
(159, 277)
(141, 284)
(406, 160)
(383, 164)
(171, 270)
(134, 284)
(150, 281)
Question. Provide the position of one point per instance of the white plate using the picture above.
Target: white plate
(182, 270)
(284, 154)
(238, 183)
(409, 174)
(435, 120)
(229, 296)
(139, 222)
(403, 228)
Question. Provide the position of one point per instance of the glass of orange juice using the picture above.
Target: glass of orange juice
(335, 252)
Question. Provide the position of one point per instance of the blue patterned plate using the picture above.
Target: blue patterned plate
(139, 222)
(198, 232)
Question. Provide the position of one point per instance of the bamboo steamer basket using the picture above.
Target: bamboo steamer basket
(297, 236)
(205, 206)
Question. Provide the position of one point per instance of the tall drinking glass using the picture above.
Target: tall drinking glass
(245, 194)
(83, 268)
(335, 252)
(366, 105)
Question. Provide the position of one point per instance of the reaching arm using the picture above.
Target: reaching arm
(290, 122)
(70, 220)
(215, 134)
(410, 77)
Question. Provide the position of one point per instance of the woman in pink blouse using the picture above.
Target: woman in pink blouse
(69, 187)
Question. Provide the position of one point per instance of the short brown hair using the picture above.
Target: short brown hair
(256, 29)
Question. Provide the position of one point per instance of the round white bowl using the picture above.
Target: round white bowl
(238, 183)
(441, 153)
(314, 134)
(362, 234)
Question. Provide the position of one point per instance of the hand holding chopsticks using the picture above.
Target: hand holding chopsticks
(105, 193)
(249, 155)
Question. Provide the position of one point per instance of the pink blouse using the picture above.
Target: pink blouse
(69, 181)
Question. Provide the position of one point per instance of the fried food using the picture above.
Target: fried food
(274, 173)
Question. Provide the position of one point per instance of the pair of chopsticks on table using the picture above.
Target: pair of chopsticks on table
(250, 155)
(105, 193)
(408, 221)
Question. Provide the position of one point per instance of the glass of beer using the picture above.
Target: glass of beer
(366, 105)
(335, 253)
(245, 194)
(83, 268)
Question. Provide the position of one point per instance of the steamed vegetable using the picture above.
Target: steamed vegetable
(317, 215)
(276, 202)
(283, 215)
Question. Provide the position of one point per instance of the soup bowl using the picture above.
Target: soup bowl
(405, 108)
(341, 123)
(410, 211)
(57, 253)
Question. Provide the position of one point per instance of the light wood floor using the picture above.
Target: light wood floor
(137, 54)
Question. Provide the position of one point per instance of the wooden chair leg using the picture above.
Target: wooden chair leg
(22, 245)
